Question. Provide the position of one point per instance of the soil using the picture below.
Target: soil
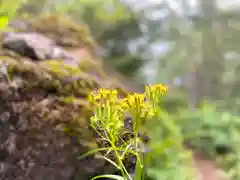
(207, 169)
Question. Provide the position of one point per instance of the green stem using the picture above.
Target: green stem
(135, 132)
(123, 170)
(139, 163)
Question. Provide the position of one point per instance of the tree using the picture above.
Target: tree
(203, 49)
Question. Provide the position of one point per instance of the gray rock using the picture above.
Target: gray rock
(34, 46)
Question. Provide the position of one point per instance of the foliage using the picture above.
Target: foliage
(8, 10)
(215, 132)
(166, 145)
(204, 52)
(206, 43)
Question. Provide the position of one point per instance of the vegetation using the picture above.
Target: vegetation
(144, 110)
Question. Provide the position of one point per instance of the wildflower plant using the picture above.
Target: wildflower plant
(108, 121)
(166, 148)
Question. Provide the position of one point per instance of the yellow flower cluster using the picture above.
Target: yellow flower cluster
(111, 108)
(154, 93)
(132, 101)
(108, 113)
(159, 88)
(136, 104)
(103, 95)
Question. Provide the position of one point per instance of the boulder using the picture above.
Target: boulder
(44, 113)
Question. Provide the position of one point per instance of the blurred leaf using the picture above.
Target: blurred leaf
(3, 22)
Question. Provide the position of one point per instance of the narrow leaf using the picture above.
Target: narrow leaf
(139, 169)
(111, 176)
(92, 152)
(113, 163)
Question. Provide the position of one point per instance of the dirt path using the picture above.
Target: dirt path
(207, 169)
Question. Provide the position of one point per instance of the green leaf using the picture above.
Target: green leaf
(113, 163)
(92, 152)
(111, 176)
(3, 22)
(139, 170)
(126, 150)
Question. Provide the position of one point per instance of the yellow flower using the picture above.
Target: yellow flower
(136, 105)
(132, 100)
(147, 111)
(103, 95)
(154, 94)
(108, 113)
(157, 89)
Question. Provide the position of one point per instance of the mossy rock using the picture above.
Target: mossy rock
(76, 39)
(60, 29)
(44, 113)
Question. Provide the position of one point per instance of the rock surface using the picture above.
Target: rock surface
(33, 45)
(44, 115)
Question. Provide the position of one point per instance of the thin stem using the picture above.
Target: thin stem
(135, 132)
(121, 165)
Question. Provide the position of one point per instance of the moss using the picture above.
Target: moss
(62, 86)
(70, 84)
(61, 29)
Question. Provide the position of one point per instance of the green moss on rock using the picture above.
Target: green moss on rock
(64, 31)
(51, 97)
